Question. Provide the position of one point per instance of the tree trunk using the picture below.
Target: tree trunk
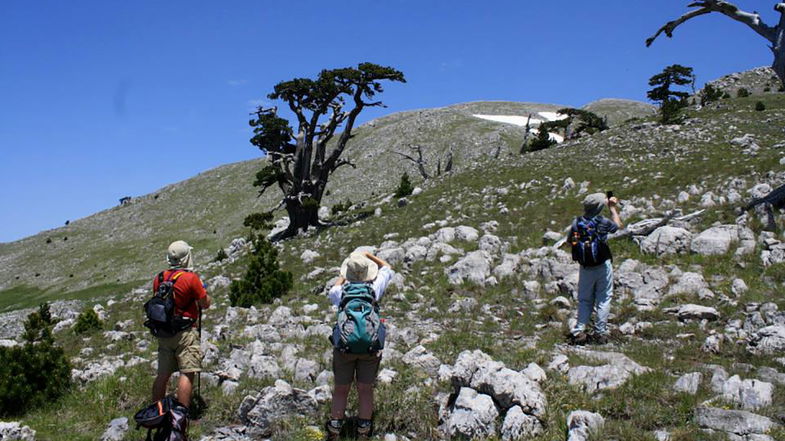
(778, 47)
(300, 219)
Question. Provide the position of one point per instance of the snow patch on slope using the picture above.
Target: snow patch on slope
(521, 121)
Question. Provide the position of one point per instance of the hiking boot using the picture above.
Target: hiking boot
(579, 339)
(364, 429)
(333, 429)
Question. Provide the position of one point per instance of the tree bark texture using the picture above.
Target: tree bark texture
(775, 35)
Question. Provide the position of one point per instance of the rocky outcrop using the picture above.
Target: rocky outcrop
(274, 404)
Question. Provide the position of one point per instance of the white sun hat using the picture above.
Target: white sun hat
(358, 268)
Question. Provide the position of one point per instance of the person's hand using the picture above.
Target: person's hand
(613, 201)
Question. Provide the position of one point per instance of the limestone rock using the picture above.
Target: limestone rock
(273, 404)
(693, 312)
(751, 394)
(667, 240)
(472, 416)
(13, 431)
(419, 357)
(519, 426)
(475, 267)
(116, 430)
(688, 383)
(741, 424)
(767, 340)
(581, 425)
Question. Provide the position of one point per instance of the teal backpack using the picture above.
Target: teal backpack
(359, 329)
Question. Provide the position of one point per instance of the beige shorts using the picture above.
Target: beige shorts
(362, 367)
(181, 352)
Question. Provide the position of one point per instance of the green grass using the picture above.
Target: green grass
(633, 166)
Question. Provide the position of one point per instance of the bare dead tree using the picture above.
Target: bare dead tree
(775, 35)
(422, 163)
(419, 161)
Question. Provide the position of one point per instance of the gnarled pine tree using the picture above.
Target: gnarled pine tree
(299, 162)
(775, 35)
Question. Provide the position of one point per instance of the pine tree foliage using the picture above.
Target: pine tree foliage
(405, 187)
(671, 100)
(263, 280)
(87, 321)
(36, 373)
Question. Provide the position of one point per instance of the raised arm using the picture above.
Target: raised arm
(612, 204)
(377, 260)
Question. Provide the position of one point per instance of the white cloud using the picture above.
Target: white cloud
(236, 83)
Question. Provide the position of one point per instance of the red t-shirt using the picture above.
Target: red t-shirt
(188, 289)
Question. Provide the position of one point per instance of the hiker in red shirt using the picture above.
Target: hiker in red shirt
(182, 351)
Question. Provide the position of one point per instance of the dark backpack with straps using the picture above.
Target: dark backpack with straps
(588, 248)
(165, 420)
(359, 329)
(161, 311)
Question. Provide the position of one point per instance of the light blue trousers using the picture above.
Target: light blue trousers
(595, 291)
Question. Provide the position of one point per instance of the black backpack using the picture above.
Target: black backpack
(588, 248)
(160, 311)
(165, 420)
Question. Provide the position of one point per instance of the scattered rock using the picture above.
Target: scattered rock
(582, 425)
(737, 424)
(472, 416)
(667, 240)
(116, 430)
(688, 383)
(274, 404)
(13, 431)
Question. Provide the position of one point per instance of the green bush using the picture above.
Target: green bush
(87, 321)
(341, 207)
(742, 93)
(405, 188)
(263, 280)
(36, 373)
(710, 94)
(542, 141)
(221, 255)
(759, 106)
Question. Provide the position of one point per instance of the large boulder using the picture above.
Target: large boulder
(751, 394)
(475, 267)
(472, 416)
(667, 240)
(718, 240)
(737, 424)
(509, 388)
(274, 404)
(466, 234)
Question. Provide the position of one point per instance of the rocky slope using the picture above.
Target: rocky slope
(481, 300)
(118, 248)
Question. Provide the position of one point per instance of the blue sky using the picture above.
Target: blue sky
(103, 99)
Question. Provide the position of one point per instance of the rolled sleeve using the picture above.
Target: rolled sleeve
(382, 280)
(335, 295)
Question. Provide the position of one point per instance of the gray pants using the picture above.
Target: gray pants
(595, 291)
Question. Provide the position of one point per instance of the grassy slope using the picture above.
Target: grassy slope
(122, 246)
(635, 163)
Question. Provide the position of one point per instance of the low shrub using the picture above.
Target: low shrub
(87, 321)
(36, 373)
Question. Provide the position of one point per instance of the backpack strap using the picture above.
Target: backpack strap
(345, 300)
